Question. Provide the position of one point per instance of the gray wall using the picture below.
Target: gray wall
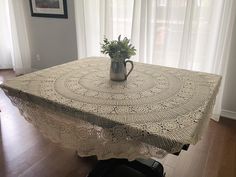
(229, 97)
(52, 41)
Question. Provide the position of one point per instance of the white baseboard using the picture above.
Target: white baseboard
(228, 114)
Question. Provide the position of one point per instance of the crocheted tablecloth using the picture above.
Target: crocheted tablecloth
(155, 112)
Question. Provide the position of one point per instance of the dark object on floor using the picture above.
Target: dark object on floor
(124, 168)
(185, 148)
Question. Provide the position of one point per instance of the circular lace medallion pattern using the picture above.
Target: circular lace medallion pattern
(158, 106)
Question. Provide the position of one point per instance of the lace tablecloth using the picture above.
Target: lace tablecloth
(155, 112)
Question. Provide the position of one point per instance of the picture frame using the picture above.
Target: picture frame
(49, 8)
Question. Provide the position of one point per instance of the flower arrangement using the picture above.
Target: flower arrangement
(118, 50)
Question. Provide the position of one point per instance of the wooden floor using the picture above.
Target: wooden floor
(25, 153)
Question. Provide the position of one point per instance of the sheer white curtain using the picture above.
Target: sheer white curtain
(189, 34)
(98, 18)
(182, 33)
(14, 42)
(5, 36)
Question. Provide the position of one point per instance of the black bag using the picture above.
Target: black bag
(124, 168)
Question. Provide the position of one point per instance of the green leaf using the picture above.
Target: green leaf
(118, 49)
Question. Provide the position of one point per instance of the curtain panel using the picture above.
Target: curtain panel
(5, 36)
(14, 41)
(188, 34)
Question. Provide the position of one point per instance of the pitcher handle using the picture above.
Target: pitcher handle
(132, 67)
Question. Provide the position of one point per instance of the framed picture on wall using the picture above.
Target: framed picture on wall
(49, 8)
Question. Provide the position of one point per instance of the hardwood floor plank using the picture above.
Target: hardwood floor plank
(228, 165)
(216, 152)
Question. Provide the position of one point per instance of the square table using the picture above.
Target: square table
(156, 111)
